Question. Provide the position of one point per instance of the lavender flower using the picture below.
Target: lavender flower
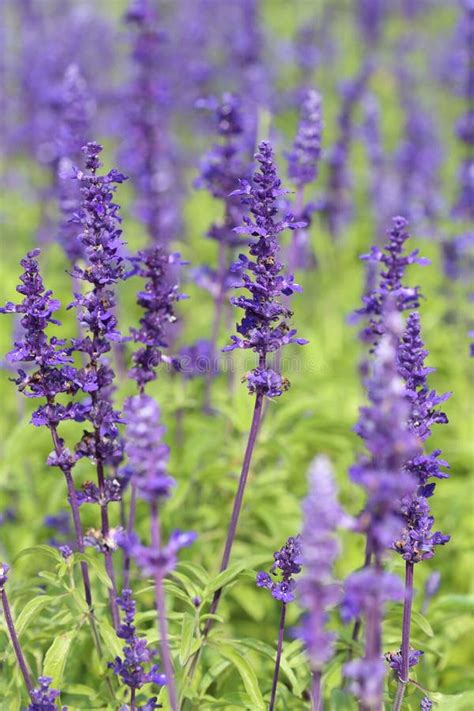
(394, 660)
(303, 159)
(371, 15)
(159, 269)
(264, 327)
(43, 698)
(136, 653)
(394, 261)
(426, 704)
(54, 375)
(390, 443)
(317, 588)
(288, 562)
(147, 455)
(101, 239)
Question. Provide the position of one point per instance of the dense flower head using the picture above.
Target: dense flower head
(287, 564)
(304, 157)
(371, 15)
(147, 454)
(426, 704)
(157, 299)
(196, 360)
(224, 165)
(394, 261)
(54, 373)
(383, 425)
(366, 677)
(318, 591)
(136, 653)
(417, 540)
(365, 587)
(395, 661)
(43, 698)
(264, 327)
(75, 110)
(101, 238)
(458, 256)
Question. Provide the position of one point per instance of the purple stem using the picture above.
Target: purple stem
(406, 624)
(132, 699)
(15, 642)
(316, 698)
(130, 527)
(161, 610)
(257, 414)
(281, 634)
(72, 498)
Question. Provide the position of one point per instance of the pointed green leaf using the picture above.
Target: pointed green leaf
(246, 672)
(187, 633)
(56, 657)
(31, 610)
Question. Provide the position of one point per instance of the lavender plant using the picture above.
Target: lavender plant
(101, 239)
(318, 590)
(264, 328)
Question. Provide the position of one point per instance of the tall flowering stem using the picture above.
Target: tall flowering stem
(390, 443)
(4, 568)
(303, 167)
(264, 327)
(287, 563)
(54, 375)
(101, 239)
(148, 462)
(318, 591)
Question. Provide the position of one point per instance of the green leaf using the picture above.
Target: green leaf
(246, 672)
(31, 610)
(187, 634)
(342, 701)
(48, 551)
(270, 652)
(214, 672)
(111, 641)
(457, 702)
(232, 572)
(56, 657)
(95, 565)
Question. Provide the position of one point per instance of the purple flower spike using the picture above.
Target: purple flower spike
(317, 588)
(394, 261)
(157, 299)
(303, 159)
(287, 563)
(147, 454)
(264, 328)
(136, 653)
(394, 660)
(43, 698)
(426, 704)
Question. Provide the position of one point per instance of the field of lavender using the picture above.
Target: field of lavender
(236, 458)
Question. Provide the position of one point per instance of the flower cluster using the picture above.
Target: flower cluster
(394, 261)
(394, 660)
(303, 159)
(157, 299)
(160, 561)
(136, 653)
(264, 327)
(417, 540)
(147, 454)
(101, 239)
(43, 698)
(4, 568)
(287, 563)
(317, 588)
